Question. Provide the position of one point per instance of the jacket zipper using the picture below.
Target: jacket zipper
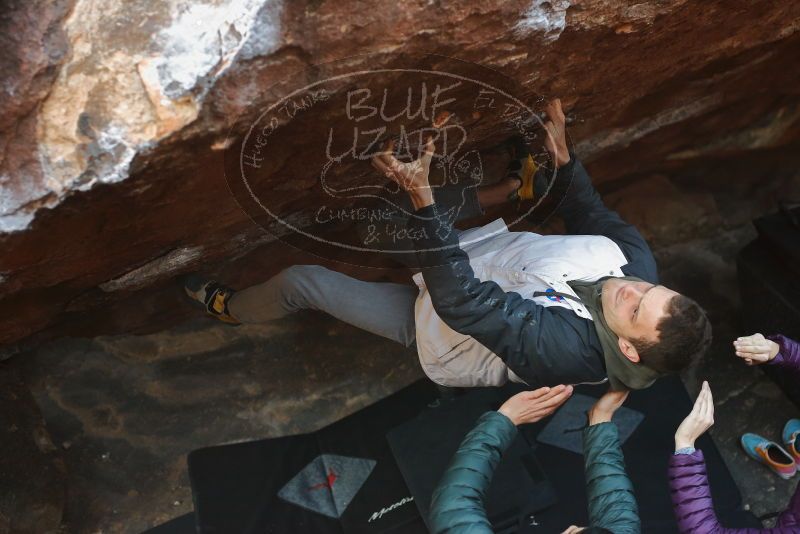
(603, 381)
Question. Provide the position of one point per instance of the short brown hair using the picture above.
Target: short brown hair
(684, 337)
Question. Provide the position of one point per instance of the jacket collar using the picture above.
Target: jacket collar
(622, 373)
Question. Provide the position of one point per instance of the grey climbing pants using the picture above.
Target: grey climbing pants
(385, 309)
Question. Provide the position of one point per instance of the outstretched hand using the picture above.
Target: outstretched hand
(556, 129)
(700, 419)
(755, 349)
(603, 410)
(532, 406)
(412, 177)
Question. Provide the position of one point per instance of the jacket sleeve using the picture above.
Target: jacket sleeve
(612, 503)
(788, 357)
(790, 518)
(691, 495)
(457, 502)
(584, 213)
(547, 344)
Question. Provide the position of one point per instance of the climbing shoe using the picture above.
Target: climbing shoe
(213, 296)
(522, 168)
(770, 454)
(791, 438)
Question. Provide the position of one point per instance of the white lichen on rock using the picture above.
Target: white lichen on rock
(620, 138)
(545, 16)
(162, 267)
(137, 72)
(204, 40)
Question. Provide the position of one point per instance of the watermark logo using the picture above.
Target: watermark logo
(302, 169)
(386, 509)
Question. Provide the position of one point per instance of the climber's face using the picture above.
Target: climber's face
(633, 310)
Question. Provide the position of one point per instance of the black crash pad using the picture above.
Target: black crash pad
(236, 486)
(424, 446)
(260, 486)
(184, 524)
(647, 452)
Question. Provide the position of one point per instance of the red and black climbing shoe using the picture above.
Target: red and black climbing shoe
(212, 295)
(521, 168)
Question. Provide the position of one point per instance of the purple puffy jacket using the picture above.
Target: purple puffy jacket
(691, 496)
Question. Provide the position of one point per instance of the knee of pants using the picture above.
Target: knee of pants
(296, 276)
(297, 272)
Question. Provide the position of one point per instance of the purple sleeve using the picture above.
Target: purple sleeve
(791, 517)
(788, 356)
(694, 509)
(691, 496)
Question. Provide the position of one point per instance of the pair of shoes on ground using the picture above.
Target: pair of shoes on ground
(212, 295)
(785, 462)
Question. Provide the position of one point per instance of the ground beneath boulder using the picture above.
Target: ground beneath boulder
(125, 410)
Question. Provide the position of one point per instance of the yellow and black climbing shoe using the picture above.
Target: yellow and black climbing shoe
(212, 295)
(522, 168)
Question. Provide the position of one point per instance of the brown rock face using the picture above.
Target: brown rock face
(118, 121)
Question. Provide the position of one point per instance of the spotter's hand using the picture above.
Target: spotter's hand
(603, 410)
(412, 177)
(698, 421)
(532, 406)
(756, 349)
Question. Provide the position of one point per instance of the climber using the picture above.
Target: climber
(492, 305)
